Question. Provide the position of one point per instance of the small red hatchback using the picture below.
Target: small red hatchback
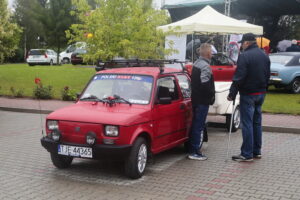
(126, 113)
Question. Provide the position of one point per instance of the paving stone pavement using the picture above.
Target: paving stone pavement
(26, 171)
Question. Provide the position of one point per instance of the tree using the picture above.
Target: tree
(119, 28)
(9, 33)
(56, 20)
(27, 14)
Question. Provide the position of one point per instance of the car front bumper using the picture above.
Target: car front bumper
(100, 151)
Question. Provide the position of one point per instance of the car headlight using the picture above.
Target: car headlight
(111, 131)
(52, 125)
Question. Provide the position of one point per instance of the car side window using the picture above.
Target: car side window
(168, 83)
(185, 86)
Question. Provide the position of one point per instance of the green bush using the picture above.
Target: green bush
(17, 93)
(67, 94)
(41, 92)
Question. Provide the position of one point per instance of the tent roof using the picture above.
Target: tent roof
(209, 20)
(189, 3)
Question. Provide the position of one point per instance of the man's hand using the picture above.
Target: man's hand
(229, 98)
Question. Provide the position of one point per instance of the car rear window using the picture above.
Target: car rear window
(281, 59)
(37, 52)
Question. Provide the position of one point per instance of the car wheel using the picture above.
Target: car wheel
(30, 64)
(60, 161)
(65, 61)
(236, 120)
(137, 160)
(295, 86)
(51, 62)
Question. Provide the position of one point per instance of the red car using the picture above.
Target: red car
(123, 114)
(76, 57)
(222, 66)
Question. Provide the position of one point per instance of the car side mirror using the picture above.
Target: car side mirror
(165, 100)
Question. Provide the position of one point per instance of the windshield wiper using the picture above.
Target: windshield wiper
(117, 97)
(92, 98)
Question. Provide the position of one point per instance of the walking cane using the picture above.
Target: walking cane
(230, 130)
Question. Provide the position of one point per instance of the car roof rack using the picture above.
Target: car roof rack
(121, 63)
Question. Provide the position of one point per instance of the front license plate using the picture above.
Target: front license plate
(83, 152)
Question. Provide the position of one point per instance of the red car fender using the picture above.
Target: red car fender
(145, 130)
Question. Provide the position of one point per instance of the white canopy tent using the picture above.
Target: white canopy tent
(209, 20)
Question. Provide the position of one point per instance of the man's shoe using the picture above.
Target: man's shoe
(196, 156)
(257, 156)
(241, 158)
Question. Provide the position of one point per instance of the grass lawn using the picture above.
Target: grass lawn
(21, 76)
(281, 101)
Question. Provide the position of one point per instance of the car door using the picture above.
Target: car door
(184, 83)
(167, 118)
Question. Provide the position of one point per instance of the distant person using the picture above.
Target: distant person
(203, 95)
(251, 81)
(294, 47)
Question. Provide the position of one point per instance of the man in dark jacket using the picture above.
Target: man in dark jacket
(294, 47)
(251, 81)
(203, 95)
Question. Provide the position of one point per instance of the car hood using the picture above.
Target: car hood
(277, 67)
(89, 112)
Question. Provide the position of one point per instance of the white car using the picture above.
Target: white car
(65, 56)
(41, 56)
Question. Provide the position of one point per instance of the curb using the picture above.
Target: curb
(273, 129)
(24, 110)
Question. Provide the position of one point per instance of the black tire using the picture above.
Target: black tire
(60, 161)
(30, 64)
(236, 120)
(65, 61)
(51, 62)
(295, 86)
(136, 162)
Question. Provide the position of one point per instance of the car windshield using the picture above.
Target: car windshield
(281, 59)
(37, 52)
(134, 88)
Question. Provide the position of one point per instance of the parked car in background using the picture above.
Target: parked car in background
(222, 66)
(76, 57)
(41, 57)
(285, 71)
(65, 56)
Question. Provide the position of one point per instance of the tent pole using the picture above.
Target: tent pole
(193, 47)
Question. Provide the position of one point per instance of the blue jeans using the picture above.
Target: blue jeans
(198, 125)
(250, 108)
